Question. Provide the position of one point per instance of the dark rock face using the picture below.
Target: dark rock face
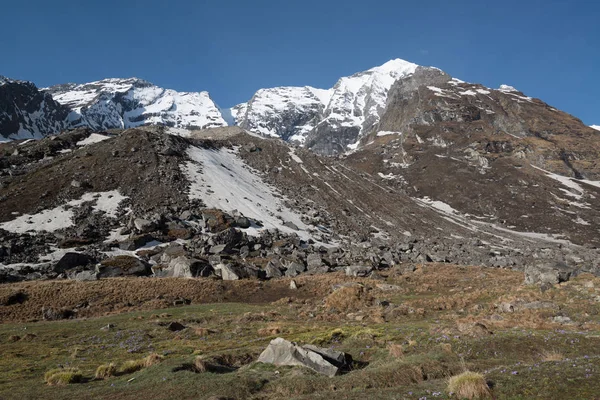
(26, 112)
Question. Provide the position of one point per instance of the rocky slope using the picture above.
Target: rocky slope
(27, 113)
(222, 202)
(128, 103)
(487, 157)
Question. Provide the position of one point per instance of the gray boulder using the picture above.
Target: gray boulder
(323, 361)
(143, 225)
(294, 269)
(85, 276)
(272, 270)
(314, 261)
(185, 267)
(547, 273)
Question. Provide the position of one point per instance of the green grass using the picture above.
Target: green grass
(141, 358)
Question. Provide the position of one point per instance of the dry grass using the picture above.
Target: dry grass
(131, 366)
(395, 350)
(200, 365)
(270, 330)
(106, 371)
(552, 355)
(153, 359)
(469, 385)
(349, 298)
(63, 376)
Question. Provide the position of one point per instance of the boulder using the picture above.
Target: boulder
(314, 261)
(143, 225)
(324, 361)
(547, 273)
(272, 271)
(122, 266)
(72, 260)
(86, 276)
(242, 222)
(185, 267)
(294, 269)
(135, 242)
(229, 272)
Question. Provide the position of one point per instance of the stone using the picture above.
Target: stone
(135, 242)
(122, 266)
(313, 261)
(506, 307)
(185, 267)
(217, 249)
(547, 273)
(86, 276)
(323, 361)
(143, 225)
(229, 273)
(291, 225)
(294, 269)
(358, 270)
(242, 222)
(272, 271)
(72, 260)
(293, 285)
(175, 326)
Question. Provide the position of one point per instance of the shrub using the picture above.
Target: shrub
(63, 376)
(469, 385)
(106, 370)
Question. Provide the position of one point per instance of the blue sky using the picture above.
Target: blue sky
(548, 49)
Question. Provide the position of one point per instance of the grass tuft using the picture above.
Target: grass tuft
(106, 371)
(153, 359)
(552, 355)
(63, 376)
(469, 385)
(395, 350)
(131, 366)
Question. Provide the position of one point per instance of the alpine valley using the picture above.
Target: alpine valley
(402, 216)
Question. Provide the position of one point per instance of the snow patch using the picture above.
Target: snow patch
(386, 133)
(62, 217)
(93, 138)
(223, 181)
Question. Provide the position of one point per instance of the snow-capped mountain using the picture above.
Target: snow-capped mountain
(26, 112)
(286, 112)
(129, 103)
(596, 127)
(327, 121)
